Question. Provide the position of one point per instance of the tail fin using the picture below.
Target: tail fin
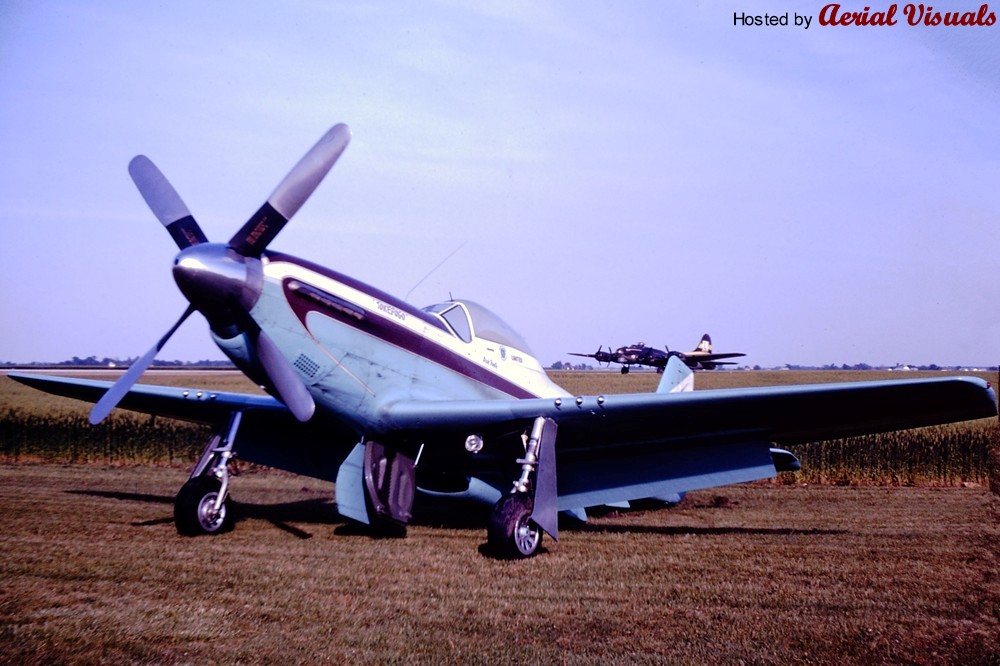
(676, 378)
(705, 345)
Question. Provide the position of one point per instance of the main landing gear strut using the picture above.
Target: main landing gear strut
(518, 519)
(202, 505)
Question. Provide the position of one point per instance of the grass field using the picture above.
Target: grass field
(94, 572)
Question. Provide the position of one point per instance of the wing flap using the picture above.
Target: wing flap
(660, 473)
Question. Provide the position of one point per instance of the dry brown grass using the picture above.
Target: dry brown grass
(594, 382)
(36, 426)
(94, 572)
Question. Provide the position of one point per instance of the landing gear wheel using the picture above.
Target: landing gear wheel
(194, 508)
(511, 534)
(624, 369)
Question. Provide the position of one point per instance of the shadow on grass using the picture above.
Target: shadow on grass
(312, 511)
(456, 515)
(690, 530)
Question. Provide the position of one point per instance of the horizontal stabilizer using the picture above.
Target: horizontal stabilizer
(785, 461)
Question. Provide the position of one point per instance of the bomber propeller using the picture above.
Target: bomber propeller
(223, 281)
(600, 355)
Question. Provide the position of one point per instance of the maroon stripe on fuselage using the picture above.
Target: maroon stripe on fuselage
(304, 298)
(348, 281)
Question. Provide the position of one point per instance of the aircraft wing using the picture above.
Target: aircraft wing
(710, 356)
(622, 447)
(609, 448)
(270, 435)
(186, 404)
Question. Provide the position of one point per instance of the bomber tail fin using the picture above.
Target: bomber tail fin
(705, 345)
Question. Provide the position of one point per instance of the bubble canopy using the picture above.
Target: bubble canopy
(465, 318)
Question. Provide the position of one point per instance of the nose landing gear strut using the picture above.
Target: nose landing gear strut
(202, 505)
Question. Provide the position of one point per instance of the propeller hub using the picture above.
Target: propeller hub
(217, 281)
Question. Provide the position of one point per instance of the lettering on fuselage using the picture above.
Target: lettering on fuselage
(391, 310)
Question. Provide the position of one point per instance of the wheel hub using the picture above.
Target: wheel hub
(210, 519)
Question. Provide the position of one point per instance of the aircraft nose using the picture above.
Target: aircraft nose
(214, 278)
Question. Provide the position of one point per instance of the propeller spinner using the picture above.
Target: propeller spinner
(224, 281)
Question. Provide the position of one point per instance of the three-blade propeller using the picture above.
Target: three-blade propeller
(249, 242)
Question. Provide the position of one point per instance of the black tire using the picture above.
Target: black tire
(193, 508)
(511, 534)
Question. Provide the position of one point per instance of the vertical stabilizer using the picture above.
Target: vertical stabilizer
(676, 378)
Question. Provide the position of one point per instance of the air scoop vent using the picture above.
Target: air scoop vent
(327, 302)
(306, 366)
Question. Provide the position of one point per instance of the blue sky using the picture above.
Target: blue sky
(616, 171)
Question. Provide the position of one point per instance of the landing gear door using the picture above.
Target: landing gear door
(391, 483)
(376, 485)
(546, 512)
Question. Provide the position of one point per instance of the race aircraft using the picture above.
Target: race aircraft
(701, 356)
(387, 399)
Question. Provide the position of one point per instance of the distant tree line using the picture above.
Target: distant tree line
(94, 362)
(559, 365)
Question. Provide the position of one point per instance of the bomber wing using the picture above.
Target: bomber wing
(622, 447)
(711, 356)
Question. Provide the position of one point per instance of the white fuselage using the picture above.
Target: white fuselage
(358, 349)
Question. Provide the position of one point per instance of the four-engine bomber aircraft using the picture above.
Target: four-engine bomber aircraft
(388, 399)
(701, 356)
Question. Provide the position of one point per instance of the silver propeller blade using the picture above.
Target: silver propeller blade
(286, 381)
(165, 203)
(125, 383)
(291, 193)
